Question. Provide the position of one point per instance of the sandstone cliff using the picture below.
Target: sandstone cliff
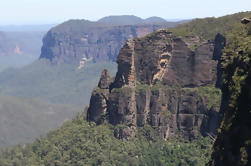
(76, 41)
(163, 81)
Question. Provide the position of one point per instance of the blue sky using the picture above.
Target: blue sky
(56, 11)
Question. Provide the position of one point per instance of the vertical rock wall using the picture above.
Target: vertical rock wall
(163, 83)
(75, 40)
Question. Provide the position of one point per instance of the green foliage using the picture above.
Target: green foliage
(68, 88)
(212, 94)
(79, 143)
(236, 62)
(236, 94)
(15, 61)
(159, 86)
(236, 52)
(22, 120)
(167, 113)
(148, 133)
(62, 84)
(99, 90)
(124, 90)
(142, 87)
(195, 46)
(120, 127)
(207, 28)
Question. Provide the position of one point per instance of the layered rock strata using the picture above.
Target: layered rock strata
(75, 40)
(163, 81)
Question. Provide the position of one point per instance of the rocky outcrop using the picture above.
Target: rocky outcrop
(105, 80)
(245, 20)
(74, 40)
(220, 43)
(163, 81)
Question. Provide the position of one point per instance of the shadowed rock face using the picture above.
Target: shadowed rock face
(74, 40)
(220, 43)
(105, 80)
(233, 143)
(245, 20)
(232, 146)
(158, 83)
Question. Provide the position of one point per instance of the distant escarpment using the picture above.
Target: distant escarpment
(79, 41)
(233, 144)
(163, 81)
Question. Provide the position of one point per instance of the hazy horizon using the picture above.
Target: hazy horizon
(37, 12)
(55, 23)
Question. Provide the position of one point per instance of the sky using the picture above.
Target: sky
(21, 12)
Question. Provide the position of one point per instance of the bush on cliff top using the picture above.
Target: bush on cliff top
(207, 28)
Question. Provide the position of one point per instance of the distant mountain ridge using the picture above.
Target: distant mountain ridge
(121, 20)
(130, 20)
(26, 28)
(155, 19)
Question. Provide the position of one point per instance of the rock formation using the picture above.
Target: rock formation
(163, 81)
(105, 80)
(245, 20)
(74, 40)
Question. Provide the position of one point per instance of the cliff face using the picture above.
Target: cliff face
(77, 41)
(233, 144)
(163, 81)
